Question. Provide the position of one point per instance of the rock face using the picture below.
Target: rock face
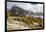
(18, 11)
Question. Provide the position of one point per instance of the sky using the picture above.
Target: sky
(27, 6)
(29, 0)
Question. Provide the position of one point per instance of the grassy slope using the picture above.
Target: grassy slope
(28, 20)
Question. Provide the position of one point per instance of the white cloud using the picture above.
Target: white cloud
(31, 7)
(27, 6)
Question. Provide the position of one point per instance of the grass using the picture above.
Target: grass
(29, 20)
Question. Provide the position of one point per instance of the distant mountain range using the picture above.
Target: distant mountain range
(17, 11)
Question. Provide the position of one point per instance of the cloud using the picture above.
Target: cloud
(27, 6)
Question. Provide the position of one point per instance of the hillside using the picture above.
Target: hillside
(17, 16)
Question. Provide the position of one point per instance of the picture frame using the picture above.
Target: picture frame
(22, 2)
